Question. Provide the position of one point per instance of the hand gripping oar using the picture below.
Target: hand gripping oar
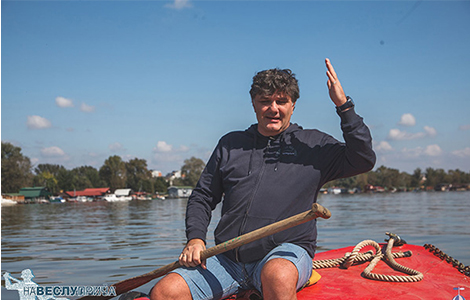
(134, 282)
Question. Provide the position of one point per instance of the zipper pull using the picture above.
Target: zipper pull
(270, 140)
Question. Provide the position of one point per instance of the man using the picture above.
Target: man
(269, 172)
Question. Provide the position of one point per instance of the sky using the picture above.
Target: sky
(163, 80)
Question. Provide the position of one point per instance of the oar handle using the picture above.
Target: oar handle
(316, 212)
(126, 285)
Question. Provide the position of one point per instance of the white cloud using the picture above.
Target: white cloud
(37, 122)
(398, 135)
(430, 150)
(430, 131)
(93, 154)
(53, 151)
(63, 102)
(162, 146)
(464, 127)
(116, 147)
(383, 146)
(462, 153)
(167, 158)
(407, 120)
(179, 4)
(87, 108)
(412, 153)
(184, 148)
(433, 150)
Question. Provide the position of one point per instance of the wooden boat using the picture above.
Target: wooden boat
(443, 277)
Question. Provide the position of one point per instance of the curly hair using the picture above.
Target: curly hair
(273, 81)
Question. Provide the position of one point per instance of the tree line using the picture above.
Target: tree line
(18, 172)
(390, 179)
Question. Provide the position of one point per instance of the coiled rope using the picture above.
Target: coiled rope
(355, 257)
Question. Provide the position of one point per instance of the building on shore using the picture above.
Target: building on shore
(35, 194)
(179, 191)
(94, 193)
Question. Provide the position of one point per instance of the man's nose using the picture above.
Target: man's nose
(274, 107)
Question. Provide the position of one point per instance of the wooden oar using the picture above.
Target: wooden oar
(134, 282)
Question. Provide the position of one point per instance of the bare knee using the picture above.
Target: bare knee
(171, 287)
(279, 279)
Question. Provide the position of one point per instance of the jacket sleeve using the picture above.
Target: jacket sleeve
(204, 198)
(353, 157)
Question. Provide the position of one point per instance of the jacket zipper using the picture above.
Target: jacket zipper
(248, 205)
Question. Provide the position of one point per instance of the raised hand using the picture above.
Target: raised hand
(335, 89)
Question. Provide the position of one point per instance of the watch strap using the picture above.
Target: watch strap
(345, 106)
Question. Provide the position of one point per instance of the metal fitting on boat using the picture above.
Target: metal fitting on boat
(398, 240)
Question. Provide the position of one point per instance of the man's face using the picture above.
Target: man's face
(273, 113)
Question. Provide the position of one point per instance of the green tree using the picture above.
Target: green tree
(66, 180)
(192, 170)
(416, 178)
(16, 169)
(362, 180)
(48, 180)
(87, 177)
(457, 177)
(51, 168)
(138, 176)
(348, 182)
(386, 177)
(47, 175)
(161, 185)
(435, 177)
(113, 172)
(404, 180)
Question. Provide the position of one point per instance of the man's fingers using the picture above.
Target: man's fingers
(203, 264)
(331, 79)
(191, 257)
(330, 68)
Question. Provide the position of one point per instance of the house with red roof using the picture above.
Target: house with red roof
(91, 192)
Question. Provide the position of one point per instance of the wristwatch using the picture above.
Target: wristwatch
(346, 106)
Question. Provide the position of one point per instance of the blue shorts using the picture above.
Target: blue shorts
(224, 277)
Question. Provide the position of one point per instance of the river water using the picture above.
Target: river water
(100, 243)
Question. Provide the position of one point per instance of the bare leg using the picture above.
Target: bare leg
(171, 287)
(279, 280)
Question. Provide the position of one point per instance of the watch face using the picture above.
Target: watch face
(350, 100)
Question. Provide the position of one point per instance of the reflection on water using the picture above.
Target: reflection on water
(101, 243)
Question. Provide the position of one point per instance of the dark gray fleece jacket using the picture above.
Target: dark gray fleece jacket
(262, 180)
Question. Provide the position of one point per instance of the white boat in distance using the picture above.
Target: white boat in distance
(8, 202)
(119, 195)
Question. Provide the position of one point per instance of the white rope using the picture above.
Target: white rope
(355, 257)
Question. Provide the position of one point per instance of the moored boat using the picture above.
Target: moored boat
(115, 198)
(8, 202)
(56, 200)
